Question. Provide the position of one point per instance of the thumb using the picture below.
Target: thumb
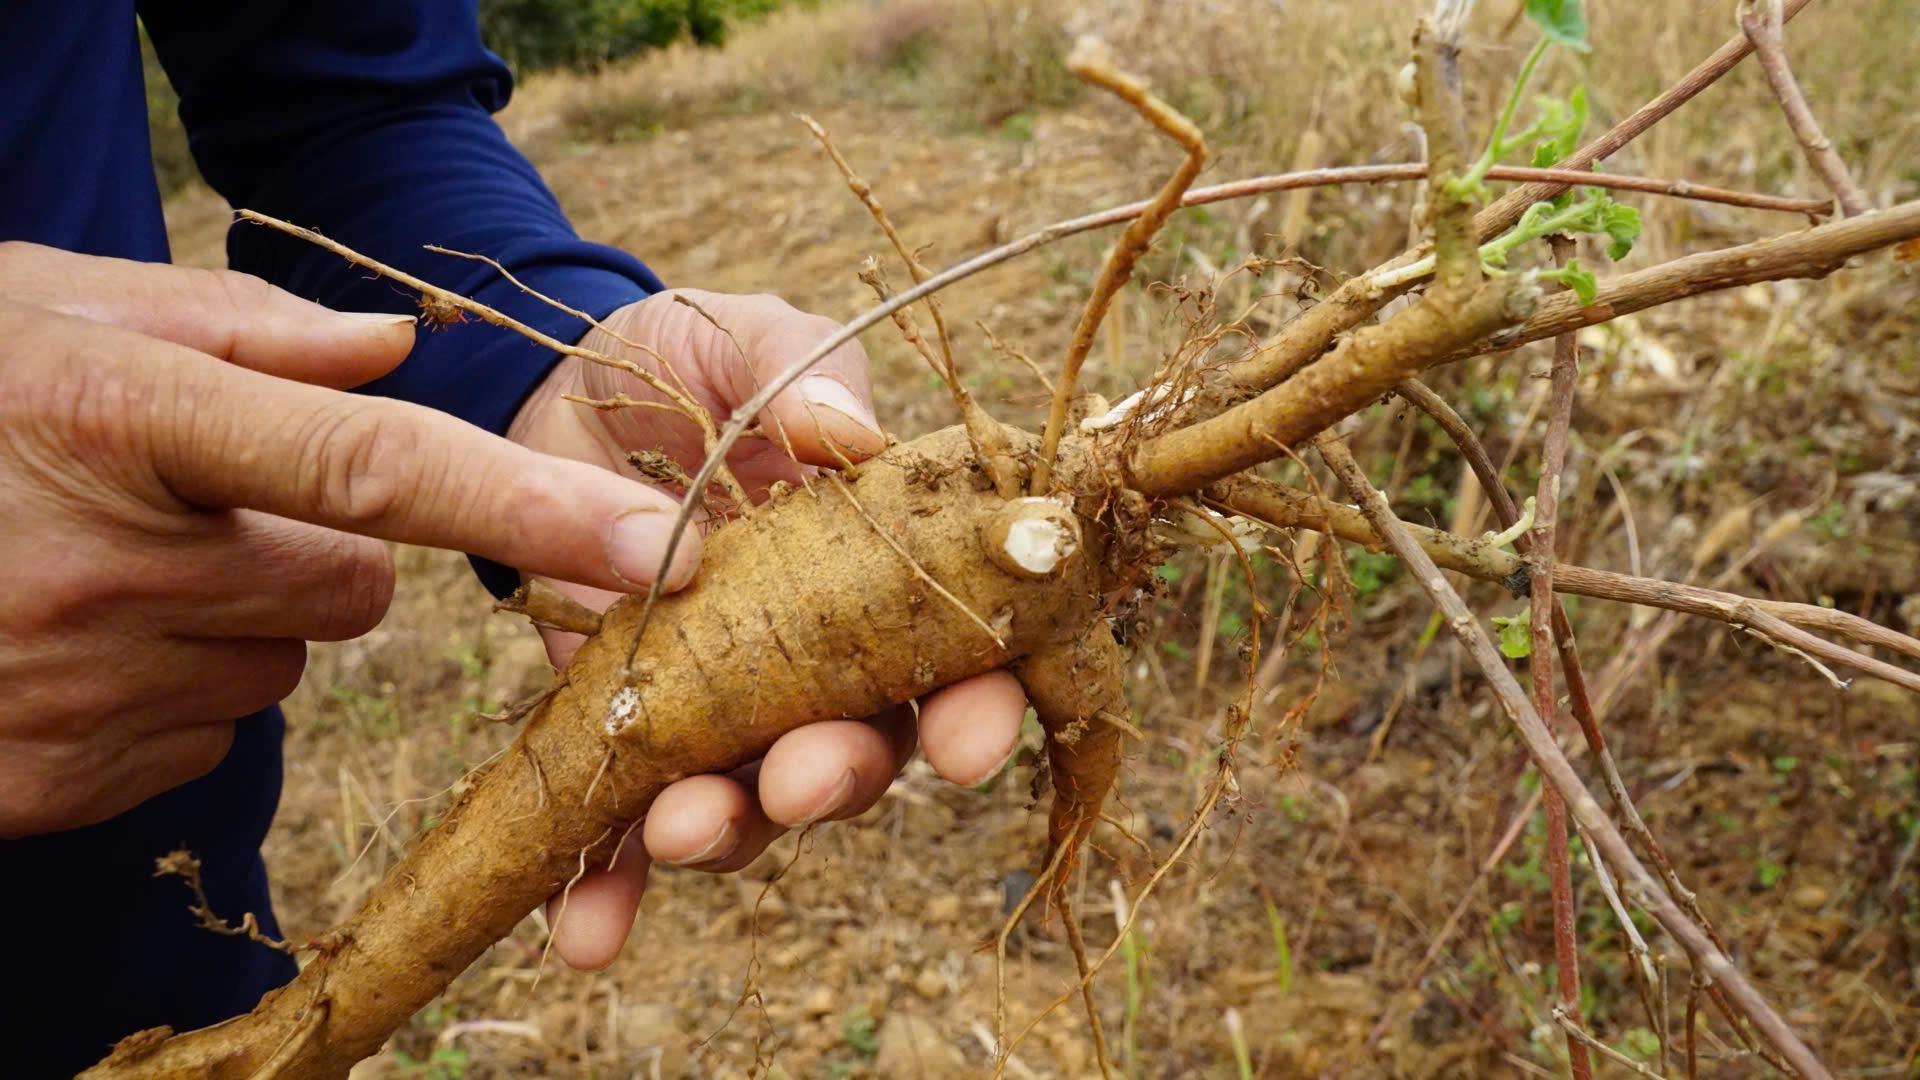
(236, 317)
(827, 414)
(216, 435)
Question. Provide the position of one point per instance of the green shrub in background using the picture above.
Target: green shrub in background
(537, 34)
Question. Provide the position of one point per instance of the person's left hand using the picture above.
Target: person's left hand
(821, 772)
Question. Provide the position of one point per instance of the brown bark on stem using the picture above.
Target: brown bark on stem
(1288, 508)
(1762, 29)
(1637, 882)
(1553, 457)
(1364, 366)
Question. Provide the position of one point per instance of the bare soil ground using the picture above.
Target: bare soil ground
(1303, 913)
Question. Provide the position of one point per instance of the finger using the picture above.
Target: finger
(831, 770)
(969, 729)
(236, 317)
(591, 918)
(109, 780)
(209, 679)
(708, 823)
(827, 415)
(219, 436)
(256, 575)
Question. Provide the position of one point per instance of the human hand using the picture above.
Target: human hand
(821, 772)
(187, 498)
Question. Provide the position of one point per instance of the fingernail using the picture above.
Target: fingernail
(828, 394)
(722, 845)
(637, 541)
(378, 318)
(835, 801)
(1012, 752)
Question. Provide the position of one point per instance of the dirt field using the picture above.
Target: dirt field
(1781, 415)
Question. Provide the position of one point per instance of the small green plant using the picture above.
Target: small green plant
(444, 1063)
(1516, 634)
(859, 1031)
(1282, 951)
(1831, 521)
(1370, 571)
(369, 713)
(1133, 959)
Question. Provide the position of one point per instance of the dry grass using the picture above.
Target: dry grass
(1786, 804)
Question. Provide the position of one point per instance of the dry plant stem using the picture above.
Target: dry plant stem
(1364, 366)
(1334, 175)
(545, 606)
(1077, 942)
(1810, 253)
(1007, 350)
(988, 442)
(1553, 458)
(1090, 62)
(918, 270)
(558, 305)
(1578, 1036)
(1760, 22)
(185, 865)
(1580, 700)
(990, 446)
(1003, 1051)
(1289, 508)
(1638, 883)
(1436, 57)
(1313, 330)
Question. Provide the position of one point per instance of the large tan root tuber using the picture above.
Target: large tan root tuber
(802, 613)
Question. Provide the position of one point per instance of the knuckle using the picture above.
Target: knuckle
(242, 292)
(358, 455)
(201, 750)
(272, 675)
(47, 787)
(360, 590)
(285, 665)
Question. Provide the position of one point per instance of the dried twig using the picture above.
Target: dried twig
(1760, 22)
(1090, 61)
(547, 607)
(1288, 508)
(184, 865)
(1546, 509)
(1336, 386)
(1608, 842)
(1579, 1036)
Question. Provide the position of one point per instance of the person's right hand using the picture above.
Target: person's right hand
(187, 496)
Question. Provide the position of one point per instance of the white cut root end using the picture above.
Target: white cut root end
(621, 710)
(1032, 537)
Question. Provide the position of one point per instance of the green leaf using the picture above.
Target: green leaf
(1561, 21)
(1559, 128)
(1516, 635)
(1622, 226)
(1578, 278)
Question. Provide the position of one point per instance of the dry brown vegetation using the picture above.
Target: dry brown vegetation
(1764, 439)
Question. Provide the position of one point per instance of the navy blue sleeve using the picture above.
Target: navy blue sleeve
(371, 121)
